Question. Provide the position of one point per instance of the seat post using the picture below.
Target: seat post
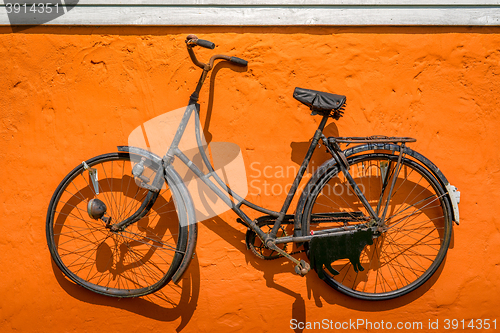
(322, 124)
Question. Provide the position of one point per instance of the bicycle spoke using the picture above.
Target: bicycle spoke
(135, 260)
(415, 233)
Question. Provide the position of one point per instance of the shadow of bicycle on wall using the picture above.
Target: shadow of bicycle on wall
(163, 307)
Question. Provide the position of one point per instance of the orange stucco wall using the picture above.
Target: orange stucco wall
(67, 94)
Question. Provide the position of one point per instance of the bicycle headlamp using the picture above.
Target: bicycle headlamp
(96, 209)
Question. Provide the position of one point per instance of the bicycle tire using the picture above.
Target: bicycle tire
(419, 222)
(134, 262)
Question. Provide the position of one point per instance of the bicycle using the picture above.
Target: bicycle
(375, 220)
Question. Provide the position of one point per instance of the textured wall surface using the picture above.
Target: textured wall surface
(68, 94)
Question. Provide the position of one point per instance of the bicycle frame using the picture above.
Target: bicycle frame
(227, 193)
(174, 151)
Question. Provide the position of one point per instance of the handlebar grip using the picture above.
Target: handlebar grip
(205, 43)
(238, 61)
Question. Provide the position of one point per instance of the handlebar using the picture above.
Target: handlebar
(238, 61)
(192, 40)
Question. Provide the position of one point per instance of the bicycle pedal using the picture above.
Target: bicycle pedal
(302, 268)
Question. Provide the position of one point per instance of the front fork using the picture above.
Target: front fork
(148, 202)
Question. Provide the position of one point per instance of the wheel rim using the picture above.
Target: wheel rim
(132, 262)
(418, 226)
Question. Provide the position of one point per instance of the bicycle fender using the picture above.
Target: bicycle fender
(177, 185)
(185, 202)
(451, 193)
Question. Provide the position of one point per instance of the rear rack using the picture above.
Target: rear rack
(371, 139)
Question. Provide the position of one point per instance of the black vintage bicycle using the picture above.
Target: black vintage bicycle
(375, 220)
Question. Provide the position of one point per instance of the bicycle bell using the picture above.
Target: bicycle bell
(96, 209)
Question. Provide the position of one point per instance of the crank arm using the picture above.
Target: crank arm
(302, 267)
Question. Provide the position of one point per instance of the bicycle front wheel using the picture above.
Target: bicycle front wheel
(417, 228)
(133, 262)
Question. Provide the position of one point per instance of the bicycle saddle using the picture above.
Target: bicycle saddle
(318, 100)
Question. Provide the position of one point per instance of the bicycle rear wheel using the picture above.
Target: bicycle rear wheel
(134, 262)
(416, 234)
